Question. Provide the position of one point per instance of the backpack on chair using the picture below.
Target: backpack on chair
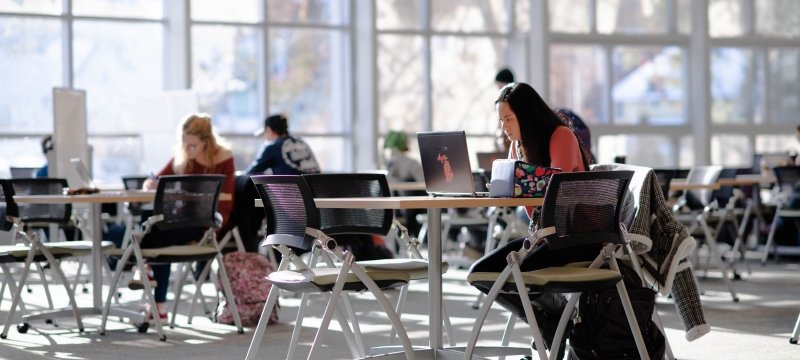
(247, 273)
(601, 329)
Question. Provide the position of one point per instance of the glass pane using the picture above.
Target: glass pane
(778, 18)
(151, 9)
(225, 75)
(577, 81)
(469, 15)
(114, 157)
(522, 15)
(784, 94)
(245, 148)
(226, 10)
(725, 18)
(631, 16)
(400, 83)
(569, 16)
(647, 86)
(308, 11)
(655, 151)
(684, 11)
(333, 153)
(32, 6)
(476, 145)
(31, 61)
(20, 152)
(398, 14)
(464, 91)
(731, 150)
(307, 78)
(686, 152)
(736, 86)
(773, 144)
(116, 62)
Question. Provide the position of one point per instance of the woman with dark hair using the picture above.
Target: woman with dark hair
(538, 136)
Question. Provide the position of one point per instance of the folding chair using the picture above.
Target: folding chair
(293, 223)
(696, 207)
(579, 208)
(29, 252)
(371, 222)
(787, 204)
(181, 202)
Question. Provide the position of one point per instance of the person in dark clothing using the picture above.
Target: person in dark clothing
(282, 154)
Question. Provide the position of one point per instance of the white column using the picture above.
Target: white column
(699, 95)
(539, 51)
(365, 88)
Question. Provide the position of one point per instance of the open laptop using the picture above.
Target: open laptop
(445, 164)
(83, 174)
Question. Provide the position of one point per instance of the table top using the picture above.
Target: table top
(114, 196)
(407, 186)
(419, 202)
(740, 180)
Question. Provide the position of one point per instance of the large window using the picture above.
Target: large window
(437, 72)
(294, 61)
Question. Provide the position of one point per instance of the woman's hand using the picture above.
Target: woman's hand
(150, 183)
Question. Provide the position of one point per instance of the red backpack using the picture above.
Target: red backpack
(247, 273)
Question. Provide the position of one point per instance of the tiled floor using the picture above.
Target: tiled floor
(757, 327)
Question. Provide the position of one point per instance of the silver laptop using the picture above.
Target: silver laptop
(445, 164)
(83, 173)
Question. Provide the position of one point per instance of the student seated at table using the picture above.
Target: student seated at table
(200, 151)
(538, 136)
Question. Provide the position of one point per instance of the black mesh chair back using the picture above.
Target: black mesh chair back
(665, 177)
(42, 213)
(699, 198)
(289, 209)
(134, 183)
(8, 207)
(585, 206)
(351, 221)
(724, 194)
(788, 181)
(187, 201)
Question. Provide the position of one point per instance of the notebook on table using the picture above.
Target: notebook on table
(445, 164)
(485, 160)
(85, 179)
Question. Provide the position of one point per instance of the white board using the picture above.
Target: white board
(69, 134)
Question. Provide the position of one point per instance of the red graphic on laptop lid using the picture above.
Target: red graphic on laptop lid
(446, 167)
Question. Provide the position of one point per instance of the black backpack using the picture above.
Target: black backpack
(601, 329)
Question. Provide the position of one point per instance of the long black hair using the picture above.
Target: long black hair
(536, 119)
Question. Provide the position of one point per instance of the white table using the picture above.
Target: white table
(434, 205)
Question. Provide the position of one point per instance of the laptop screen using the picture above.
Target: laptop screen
(445, 162)
(83, 173)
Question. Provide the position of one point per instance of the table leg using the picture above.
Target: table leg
(435, 277)
(97, 256)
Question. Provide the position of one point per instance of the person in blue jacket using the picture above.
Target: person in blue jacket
(282, 153)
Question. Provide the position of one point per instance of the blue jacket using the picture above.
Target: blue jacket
(287, 155)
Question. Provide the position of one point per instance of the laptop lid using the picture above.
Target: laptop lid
(83, 174)
(445, 163)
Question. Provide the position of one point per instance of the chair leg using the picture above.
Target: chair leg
(771, 236)
(401, 301)
(226, 286)
(45, 285)
(112, 291)
(148, 291)
(506, 339)
(56, 267)
(796, 331)
(179, 283)
(715, 257)
(261, 328)
(667, 348)
(12, 286)
(17, 295)
(626, 305)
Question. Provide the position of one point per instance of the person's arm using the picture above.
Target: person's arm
(227, 168)
(262, 162)
(565, 152)
(150, 183)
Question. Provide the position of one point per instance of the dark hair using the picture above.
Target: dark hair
(504, 76)
(277, 123)
(537, 121)
(47, 144)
